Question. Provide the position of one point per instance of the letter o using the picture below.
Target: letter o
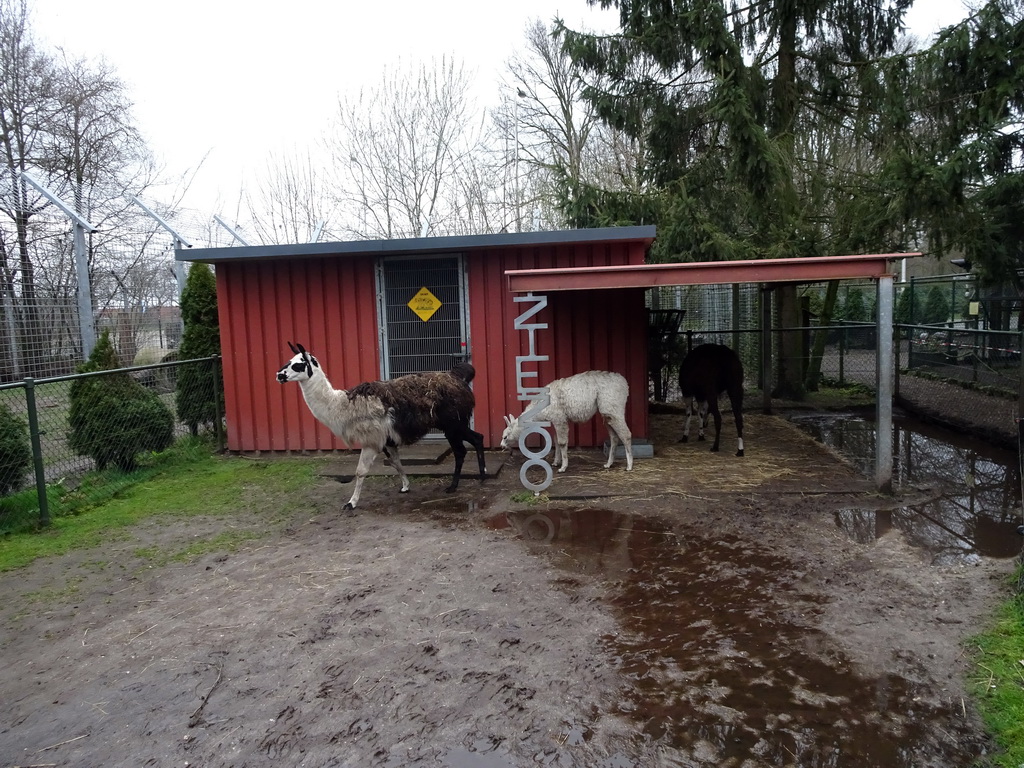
(535, 458)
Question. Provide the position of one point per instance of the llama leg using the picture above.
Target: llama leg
(702, 420)
(459, 452)
(686, 425)
(394, 460)
(713, 407)
(366, 458)
(561, 446)
(617, 426)
(611, 447)
(477, 441)
(737, 412)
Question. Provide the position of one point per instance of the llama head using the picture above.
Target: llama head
(511, 434)
(300, 367)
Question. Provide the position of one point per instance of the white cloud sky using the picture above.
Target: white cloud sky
(236, 82)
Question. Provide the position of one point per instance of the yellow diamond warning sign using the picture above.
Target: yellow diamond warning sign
(425, 304)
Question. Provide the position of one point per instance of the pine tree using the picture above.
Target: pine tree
(197, 390)
(957, 167)
(760, 125)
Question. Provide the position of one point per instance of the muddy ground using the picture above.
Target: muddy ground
(703, 610)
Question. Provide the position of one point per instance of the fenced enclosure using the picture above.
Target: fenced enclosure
(80, 454)
(960, 370)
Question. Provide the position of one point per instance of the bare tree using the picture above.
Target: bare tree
(400, 149)
(557, 138)
(26, 105)
(290, 202)
(68, 122)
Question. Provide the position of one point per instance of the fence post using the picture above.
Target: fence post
(898, 345)
(37, 452)
(842, 354)
(883, 385)
(218, 405)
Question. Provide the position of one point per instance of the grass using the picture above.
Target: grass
(999, 686)
(194, 487)
(529, 498)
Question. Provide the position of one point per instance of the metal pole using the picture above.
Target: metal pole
(179, 268)
(37, 452)
(86, 327)
(219, 406)
(883, 385)
(179, 241)
(85, 321)
(230, 229)
(1020, 378)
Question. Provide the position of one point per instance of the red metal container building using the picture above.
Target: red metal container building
(352, 305)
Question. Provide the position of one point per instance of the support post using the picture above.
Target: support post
(87, 329)
(179, 242)
(37, 452)
(231, 230)
(883, 385)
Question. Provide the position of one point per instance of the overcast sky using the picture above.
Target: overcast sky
(230, 81)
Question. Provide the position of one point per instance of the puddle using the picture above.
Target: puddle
(976, 506)
(721, 665)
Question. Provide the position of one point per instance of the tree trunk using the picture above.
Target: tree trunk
(789, 379)
(821, 336)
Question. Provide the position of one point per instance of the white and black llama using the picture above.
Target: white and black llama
(382, 416)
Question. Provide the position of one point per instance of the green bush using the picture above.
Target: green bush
(15, 452)
(113, 418)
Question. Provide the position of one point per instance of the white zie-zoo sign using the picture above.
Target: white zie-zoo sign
(537, 396)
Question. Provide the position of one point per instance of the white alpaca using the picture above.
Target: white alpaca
(383, 415)
(577, 398)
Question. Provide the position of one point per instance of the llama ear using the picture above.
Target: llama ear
(302, 349)
(294, 350)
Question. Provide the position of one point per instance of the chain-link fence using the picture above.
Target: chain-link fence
(70, 442)
(960, 372)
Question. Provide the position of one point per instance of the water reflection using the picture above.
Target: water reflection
(975, 510)
(724, 663)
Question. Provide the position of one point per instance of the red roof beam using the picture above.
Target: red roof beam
(802, 270)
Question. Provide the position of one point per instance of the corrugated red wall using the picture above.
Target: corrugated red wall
(329, 305)
(594, 330)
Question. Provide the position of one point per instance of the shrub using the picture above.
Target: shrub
(113, 418)
(15, 453)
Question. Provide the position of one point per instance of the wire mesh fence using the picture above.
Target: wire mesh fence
(70, 442)
(846, 360)
(960, 371)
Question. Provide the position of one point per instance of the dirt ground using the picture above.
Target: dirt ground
(702, 610)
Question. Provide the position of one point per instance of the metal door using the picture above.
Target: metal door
(422, 308)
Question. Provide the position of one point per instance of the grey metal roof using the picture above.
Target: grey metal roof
(416, 245)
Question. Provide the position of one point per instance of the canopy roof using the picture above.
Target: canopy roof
(802, 270)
